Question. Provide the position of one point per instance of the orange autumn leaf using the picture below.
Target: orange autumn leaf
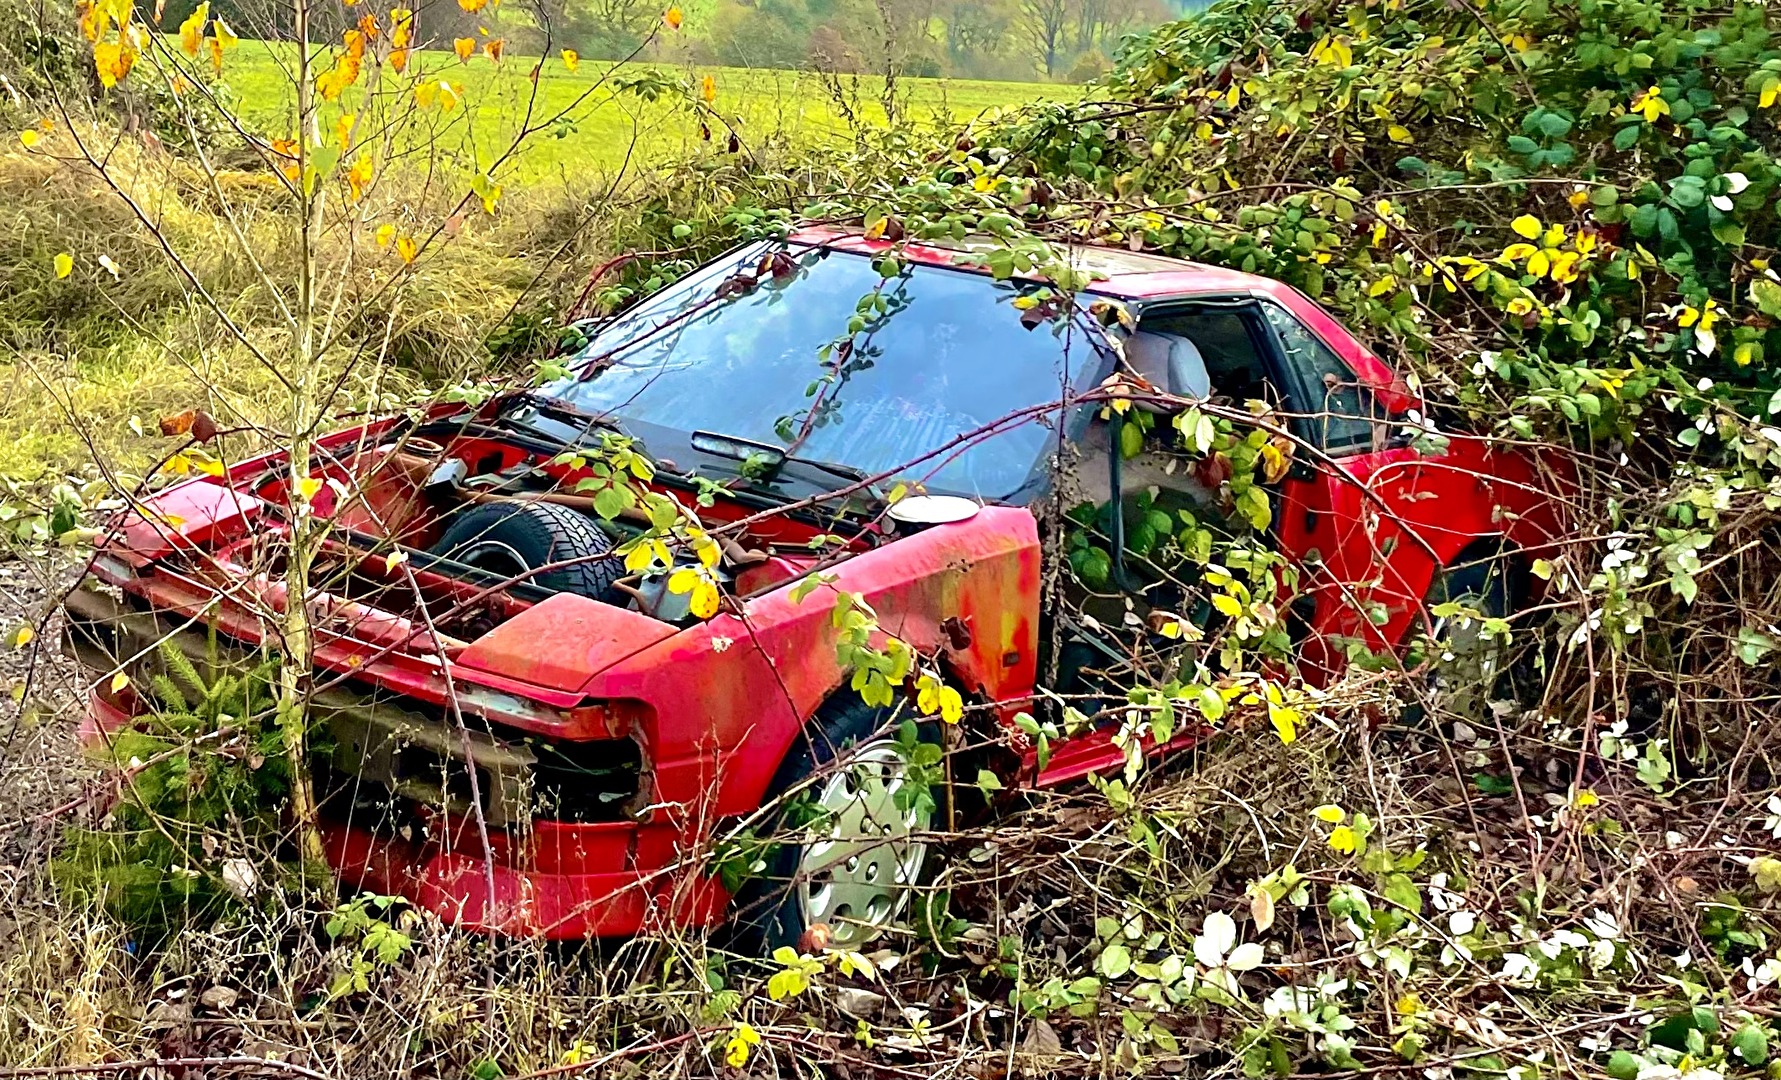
(368, 26)
(464, 47)
(355, 44)
(571, 60)
(708, 90)
(673, 18)
(473, 6)
(492, 49)
(191, 32)
(399, 59)
(336, 79)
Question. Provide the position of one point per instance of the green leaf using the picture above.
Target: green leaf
(1766, 295)
(1400, 890)
(988, 781)
(1626, 137)
(1751, 1043)
(1624, 1066)
(1115, 961)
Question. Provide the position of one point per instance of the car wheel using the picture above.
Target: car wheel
(856, 835)
(1468, 663)
(508, 539)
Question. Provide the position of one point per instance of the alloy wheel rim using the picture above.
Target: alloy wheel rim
(856, 875)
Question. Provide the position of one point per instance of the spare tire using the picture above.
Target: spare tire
(508, 539)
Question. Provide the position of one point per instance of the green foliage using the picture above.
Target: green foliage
(204, 772)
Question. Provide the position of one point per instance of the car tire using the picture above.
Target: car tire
(511, 538)
(801, 884)
(1468, 667)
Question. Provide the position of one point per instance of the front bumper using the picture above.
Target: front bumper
(415, 836)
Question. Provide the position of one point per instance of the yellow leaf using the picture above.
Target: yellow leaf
(952, 705)
(464, 47)
(23, 636)
(1399, 134)
(343, 130)
(1227, 605)
(393, 560)
(683, 580)
(358, 178)
(473, 6)
(736, 1050)
(1586, 797)
(1527, 225)
(705, 599)
(1329, 813)
(28, 137)
(426, 94)
(639, 558)
(1344, 839)
(308, 486)
(1285, 721)
(708, 90)
(113, 60)
(386, 235)
(571, 60)
(401, 26)
(64, 265)
(407, 248)
(119, 681)
(191, 31)
(875, 231)
(221, 40)
(672, 17)
(94, 18)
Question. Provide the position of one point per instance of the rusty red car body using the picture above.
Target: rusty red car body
(713, 707)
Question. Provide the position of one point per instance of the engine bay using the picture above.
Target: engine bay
(481, 525)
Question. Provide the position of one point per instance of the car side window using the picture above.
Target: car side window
(1341, 413)
(1220, 342)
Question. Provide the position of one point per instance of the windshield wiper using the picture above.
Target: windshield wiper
(764, 459)
(561, 411)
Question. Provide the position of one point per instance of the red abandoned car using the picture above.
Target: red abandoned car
(609, 610)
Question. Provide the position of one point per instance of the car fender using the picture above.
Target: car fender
(729, 696)
(1400, 517)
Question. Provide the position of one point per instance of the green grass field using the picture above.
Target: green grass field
(602, 130)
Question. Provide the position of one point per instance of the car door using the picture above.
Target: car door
(1131, 602)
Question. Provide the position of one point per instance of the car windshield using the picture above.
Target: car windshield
(946, 355)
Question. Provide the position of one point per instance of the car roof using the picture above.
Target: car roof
(1119, 272)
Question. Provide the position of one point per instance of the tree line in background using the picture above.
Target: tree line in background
(1062, 40)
